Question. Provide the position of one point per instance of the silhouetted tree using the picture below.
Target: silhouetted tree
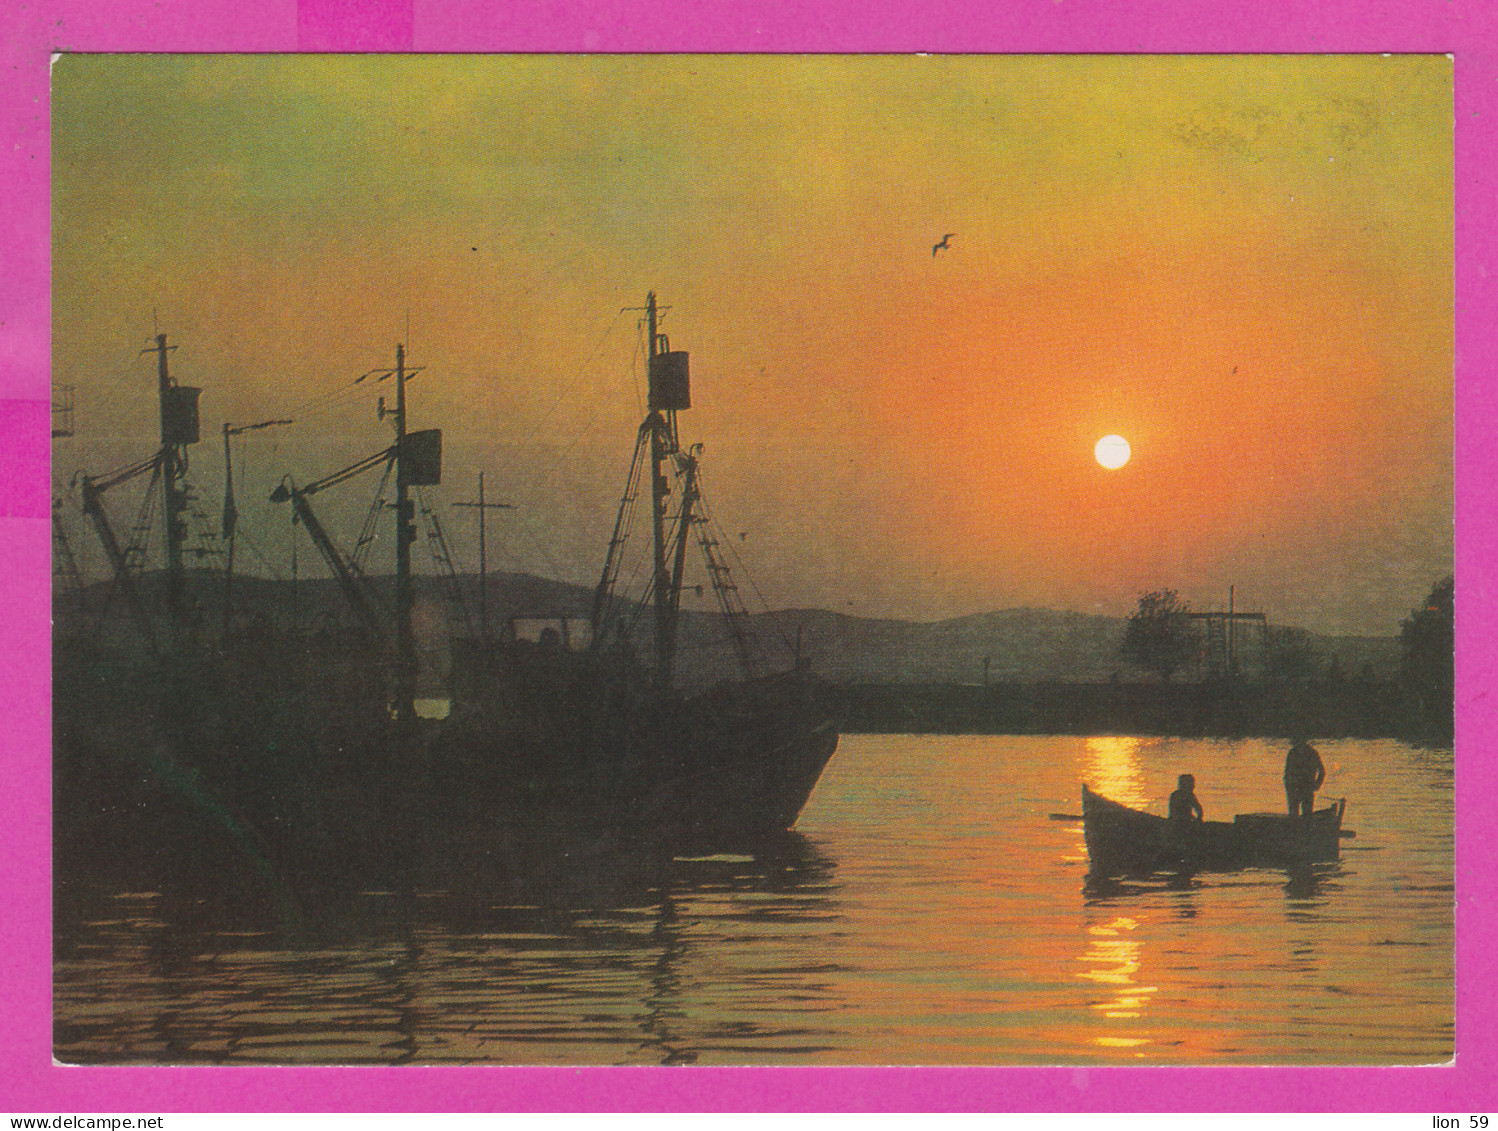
(1427, 662)
(1159, 636)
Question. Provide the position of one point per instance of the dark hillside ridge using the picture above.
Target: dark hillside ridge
(1022, 646)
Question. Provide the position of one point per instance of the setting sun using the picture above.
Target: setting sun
(1112, 452)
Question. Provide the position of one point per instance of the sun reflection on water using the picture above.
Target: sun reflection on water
(1112, 768)
(1114, 960)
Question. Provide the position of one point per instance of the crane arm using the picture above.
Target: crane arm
(347, 580)
(94, 508)
(100, 484)
(348, 472)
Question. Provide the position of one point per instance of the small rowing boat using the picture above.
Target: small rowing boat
(1124, 840)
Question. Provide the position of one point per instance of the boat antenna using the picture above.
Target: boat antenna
(482, 506)
(231, 513)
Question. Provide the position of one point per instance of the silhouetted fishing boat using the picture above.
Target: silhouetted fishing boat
(562, 721)
(305, 747)
(1124, 840)
(178, 747)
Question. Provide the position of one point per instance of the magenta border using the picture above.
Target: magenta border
(29, 33)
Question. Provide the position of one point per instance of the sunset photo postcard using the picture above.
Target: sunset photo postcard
(748, 563)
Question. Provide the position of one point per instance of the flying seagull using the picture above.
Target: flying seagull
(937, 247)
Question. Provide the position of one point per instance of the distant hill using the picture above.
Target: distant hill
(1021, 645)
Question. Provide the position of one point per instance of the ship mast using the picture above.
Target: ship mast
(231, 513)
(670, 390)
(179, 427)
(482, 506)
(405, 534)
(660, 438)
(418, 463)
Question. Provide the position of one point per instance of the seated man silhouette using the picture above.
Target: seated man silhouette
(1185, 809)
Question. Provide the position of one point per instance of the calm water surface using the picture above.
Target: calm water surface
(928, 910)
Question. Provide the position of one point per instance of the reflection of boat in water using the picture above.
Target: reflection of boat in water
(1124, 840)
(307, 750)
(633, 957)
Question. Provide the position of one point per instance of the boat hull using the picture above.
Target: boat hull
(285, 757)
(585, 750)
(1122, 840)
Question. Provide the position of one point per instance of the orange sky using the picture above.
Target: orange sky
(1243, 265)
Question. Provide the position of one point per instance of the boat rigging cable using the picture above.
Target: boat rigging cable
(131, 561)
(604, 596)
(710, 537)
(370, 531)
(664, 582)
(460, 622)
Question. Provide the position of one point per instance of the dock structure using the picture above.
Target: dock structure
(1224, 637)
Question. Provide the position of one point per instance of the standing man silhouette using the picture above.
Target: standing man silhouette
(1304, 774)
